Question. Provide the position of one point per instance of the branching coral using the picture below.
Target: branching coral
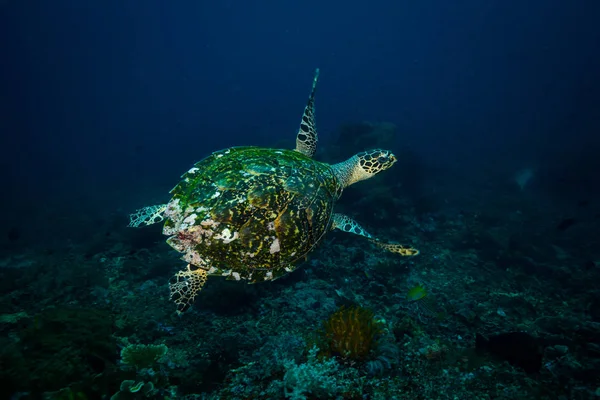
(351, 333)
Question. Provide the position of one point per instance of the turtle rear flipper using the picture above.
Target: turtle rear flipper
(306, 140)
(185, 285)
(347, 224)
(147, 216)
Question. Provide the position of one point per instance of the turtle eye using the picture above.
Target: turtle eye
(382, 159)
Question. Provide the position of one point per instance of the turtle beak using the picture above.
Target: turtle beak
(393, 158)
(386, 159)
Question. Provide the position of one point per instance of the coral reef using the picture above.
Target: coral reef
(89, 317)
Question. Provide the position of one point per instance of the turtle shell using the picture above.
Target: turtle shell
(251, 213)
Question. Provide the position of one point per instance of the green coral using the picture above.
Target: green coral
(131, 389)
(13, 318)
(142, 355)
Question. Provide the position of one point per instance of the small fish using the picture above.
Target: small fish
(418, 295)
(518, 348)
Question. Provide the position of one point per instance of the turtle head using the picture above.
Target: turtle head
(374, 161)
(363, 166)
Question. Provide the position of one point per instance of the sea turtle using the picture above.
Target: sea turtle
(252, 213)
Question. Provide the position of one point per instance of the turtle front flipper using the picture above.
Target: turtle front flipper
(401, 249)
(306, 140)
(185, 285)
(347, 224)
(147, 216)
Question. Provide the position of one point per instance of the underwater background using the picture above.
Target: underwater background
(491, 107)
